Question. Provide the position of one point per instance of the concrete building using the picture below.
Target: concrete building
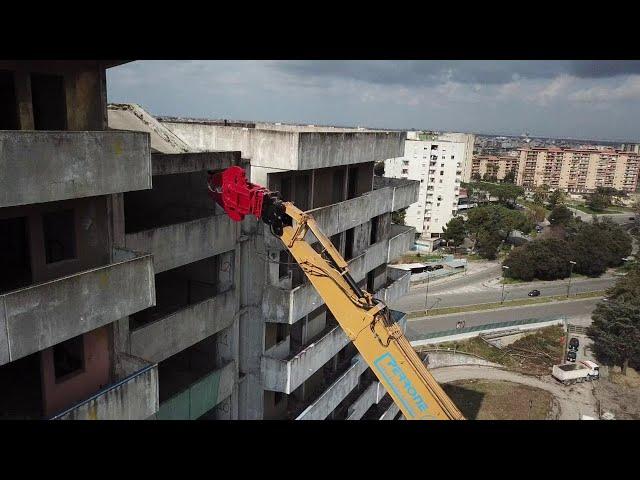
(491, 166)
(578, 170)
(192, 330)
(437, 165)
(295, 362)
(67, 279)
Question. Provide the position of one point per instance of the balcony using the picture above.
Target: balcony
(199, 397)
(397, 285)
(326, 403)
(288, 306)
(401, 239)
(183, 243)
(43, 166)
(42, 315)
(288, 374)
(133, 397)
(372, 395)
(170, 334)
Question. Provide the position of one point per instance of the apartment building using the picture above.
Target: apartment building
(67, 280)
(295, 362)
(191, 332)
(437, 165)
(467, 138)
(578, 170)
(491, 166)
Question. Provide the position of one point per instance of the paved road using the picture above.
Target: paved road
(577, 312)
(619, 218)
(574, 400)
(472, 291)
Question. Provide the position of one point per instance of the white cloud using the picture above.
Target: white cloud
(629, 89)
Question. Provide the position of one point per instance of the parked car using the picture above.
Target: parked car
(437, 267)
(574, 344)
(571, 356)
(534, 293)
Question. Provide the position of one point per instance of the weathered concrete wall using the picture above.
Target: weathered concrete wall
(42, 167)
(172, 334)
(132, 398)
(328, 149)
(401, 240)
(335, 393)
(171, 163)
(44, 315)
(373, 394)
(390, 413)
(405, 192)
(398, 287)
(182, 243)
(286, 376)
(437, 359)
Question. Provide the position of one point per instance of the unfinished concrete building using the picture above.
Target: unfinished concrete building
(192, 330)
(295, 362)
(66, 278)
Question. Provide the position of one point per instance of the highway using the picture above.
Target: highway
(471, 289)
(576, 311)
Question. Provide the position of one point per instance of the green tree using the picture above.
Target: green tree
(455, 232)
(615, 330)
(598, 245)
(542, 259)
(488, 244)
(598, 202)
(510, 176)
(398, 216)
(491, 225)
(560, 215)
(557, 197)
(536, 213)
(540, 195)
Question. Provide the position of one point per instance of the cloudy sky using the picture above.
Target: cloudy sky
(575, 99)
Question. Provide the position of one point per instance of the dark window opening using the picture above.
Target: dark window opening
(283, 267)
(8, 102)
(20, 384)
(49, 102)
(352, 188)
(59, 235)
(285, 188)
(302, 183)
(371, 276)
(374, 230)
(338, 186)
(179, 288)
(282, 331)
(277, 397)
(68, 357)
(335, 240)
(348, 244)
(15, 260)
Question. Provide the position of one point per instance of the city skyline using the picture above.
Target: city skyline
(590, 100)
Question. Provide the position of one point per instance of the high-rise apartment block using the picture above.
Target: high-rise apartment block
(578, 170)
(493, 167)
(439, 166)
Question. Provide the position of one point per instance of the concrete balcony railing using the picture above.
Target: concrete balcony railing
(287, 375)
(47, 166)
(199, 397)
(405, 191)
(372, 395)
(162, 338)
(42, 315)
(326, 403)
(401, 240)
(397, 285)
(342, 216)
(288, 306)
(133, 397)
(182, 243)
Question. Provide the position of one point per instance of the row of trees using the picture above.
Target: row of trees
(593, 247)
(615, 328)
(506, 193)
(488, 227)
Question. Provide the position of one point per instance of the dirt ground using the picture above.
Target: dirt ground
(619, 394)
(501, 400)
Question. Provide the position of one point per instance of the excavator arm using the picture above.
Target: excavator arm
(365, 319)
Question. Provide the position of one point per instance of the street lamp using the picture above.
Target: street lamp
(571, 264)
(502, 296)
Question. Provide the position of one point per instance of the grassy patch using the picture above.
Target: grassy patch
(419, 258)
(511, 281)
(499, 400)
(506, 304)
(586, 209)
(535, 353)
